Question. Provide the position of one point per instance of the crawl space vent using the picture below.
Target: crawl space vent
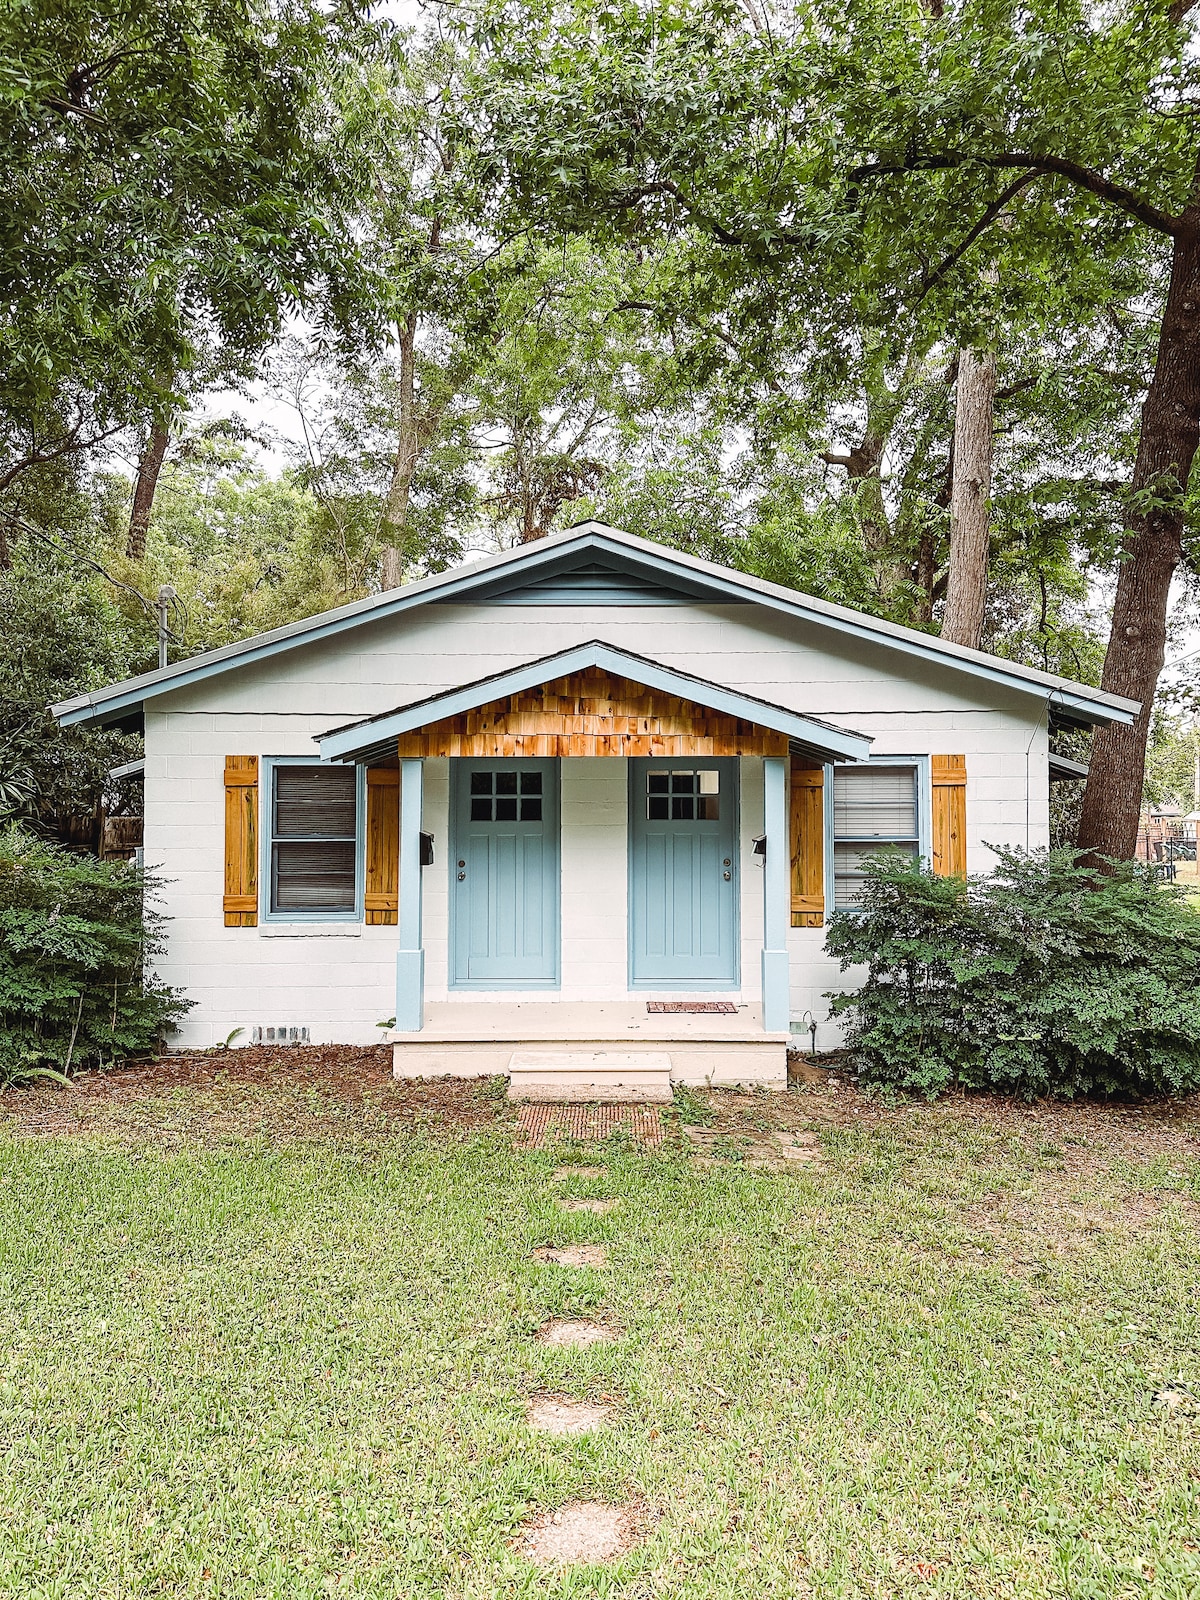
(279, 1036)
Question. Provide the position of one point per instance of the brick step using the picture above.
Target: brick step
(590, 1075)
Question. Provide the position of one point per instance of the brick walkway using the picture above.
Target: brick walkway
(591, 1124)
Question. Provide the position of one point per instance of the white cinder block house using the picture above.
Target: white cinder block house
(587, 795)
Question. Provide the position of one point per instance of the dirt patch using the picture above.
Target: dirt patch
(560, 1174)
(588, 1531)
(598, 1208)
(541, 1124)
(575, 1333)
(560, 1415)
(719, 1146)
(573, 1255)
(290, 1092)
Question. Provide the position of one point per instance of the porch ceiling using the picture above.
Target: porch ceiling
(591, 700)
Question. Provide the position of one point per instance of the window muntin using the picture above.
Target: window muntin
(876, 809)
(685, 795)
(313, 840)
(506, 796)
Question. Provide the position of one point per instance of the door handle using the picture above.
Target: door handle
(461, 873)
(727, 876)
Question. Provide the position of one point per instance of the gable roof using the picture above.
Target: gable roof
(589, 546)
(375, 736)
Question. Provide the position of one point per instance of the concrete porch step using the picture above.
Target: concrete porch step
(590, 1075)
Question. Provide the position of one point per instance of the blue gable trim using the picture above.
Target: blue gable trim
(576, 549)
(361, 740)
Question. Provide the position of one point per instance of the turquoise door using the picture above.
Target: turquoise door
(504, 874)
(683, 878)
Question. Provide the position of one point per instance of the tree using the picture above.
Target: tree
(179, 173)
(821, 162)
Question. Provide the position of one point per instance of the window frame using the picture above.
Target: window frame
(266, 834)
(922, 766)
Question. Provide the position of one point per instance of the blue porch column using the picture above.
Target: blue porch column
(410, 957)
(777, 897)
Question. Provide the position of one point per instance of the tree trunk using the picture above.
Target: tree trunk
(970, 499)
(1152, 549)
(395, 511)
(149, 466)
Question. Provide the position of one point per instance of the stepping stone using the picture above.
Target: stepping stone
(600, 1208)
(560, 1173)
(573, 1255)
(798, 1146)
(574, 1332)
(588, 1531)
(559, 1414)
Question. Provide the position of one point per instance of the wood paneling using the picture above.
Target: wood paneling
(808, 844)
(382, 896)
(592, 714)
(949, 816)
(241, 841)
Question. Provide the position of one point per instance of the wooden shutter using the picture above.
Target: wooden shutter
(241, 841)
(383, 845)
(950, 816)
(808, 844)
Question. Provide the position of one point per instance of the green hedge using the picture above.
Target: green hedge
(1043, 978)
(76, 940)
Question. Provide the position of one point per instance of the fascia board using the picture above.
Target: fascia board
(101, 704)
(342, 743)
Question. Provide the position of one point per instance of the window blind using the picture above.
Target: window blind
(314, 822)
(874, 810)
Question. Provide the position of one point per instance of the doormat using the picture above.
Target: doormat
(591, 1124)
(698, 1008)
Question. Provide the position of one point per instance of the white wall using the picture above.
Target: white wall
(339, 981)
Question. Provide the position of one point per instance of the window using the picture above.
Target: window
(689, 796)
(506, 796)
(313, 840)
(877, 806)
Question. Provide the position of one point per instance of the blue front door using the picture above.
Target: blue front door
(504, 874)
(683, 880)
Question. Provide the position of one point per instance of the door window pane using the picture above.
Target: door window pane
(506, 796)
(683, 796)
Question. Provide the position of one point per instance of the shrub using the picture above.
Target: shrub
(76, 938)
(1040, 979)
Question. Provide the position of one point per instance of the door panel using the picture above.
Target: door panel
(504, 874)
(683, 877)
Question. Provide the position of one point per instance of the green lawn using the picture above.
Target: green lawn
(956, 1359)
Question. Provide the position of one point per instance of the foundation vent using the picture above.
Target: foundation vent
(281, 1035)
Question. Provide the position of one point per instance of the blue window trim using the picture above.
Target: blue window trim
(924, 769)
(266, 793)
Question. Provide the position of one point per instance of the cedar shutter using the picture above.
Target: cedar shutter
(382, 900)
(808, 844)
(949, 816)
(241, 841)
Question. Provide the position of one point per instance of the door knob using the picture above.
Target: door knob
(461, 876)
(727, 876)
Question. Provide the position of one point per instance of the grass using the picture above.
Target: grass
(956, 1359)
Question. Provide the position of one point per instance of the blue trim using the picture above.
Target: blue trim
(410, 955)
(924, 771)
(362, 738)
(268, 765)
(723, 587)
(459, 767)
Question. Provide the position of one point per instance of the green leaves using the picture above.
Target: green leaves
(1039, 979)
(76, 936)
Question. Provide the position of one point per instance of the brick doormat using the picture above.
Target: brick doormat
(698, 1008)
(591, 1124)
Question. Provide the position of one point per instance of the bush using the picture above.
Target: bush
(75, 985)
(1041, 979)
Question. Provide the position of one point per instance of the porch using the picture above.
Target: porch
(593, 1050)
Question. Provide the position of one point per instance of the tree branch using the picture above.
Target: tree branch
(1094, 182)
(989, 216)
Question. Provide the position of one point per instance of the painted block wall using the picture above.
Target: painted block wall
(338, 979)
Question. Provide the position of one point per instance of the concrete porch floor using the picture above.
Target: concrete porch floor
(477, 1038)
